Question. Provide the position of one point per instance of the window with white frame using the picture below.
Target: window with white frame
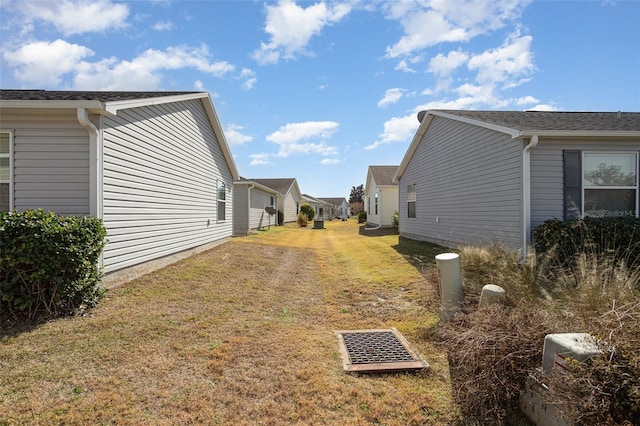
(222, 203)
(411, 201)
(376, 205)
(5, 171)
(610, 184)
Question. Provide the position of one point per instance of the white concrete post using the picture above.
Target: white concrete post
(450, 284)
(491, 294)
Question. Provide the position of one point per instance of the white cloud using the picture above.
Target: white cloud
(249, 78)
(198, 85)
(289, 138)
(291, 27)
(396, 129)
(507, 64)
(526, 100)
(259, 160)
(391, 96)
(77, 17)
(45, 63)
(543, 107)
(164, 26)
(442, 65)
(429, 23)
(330, 161)
(233, 134)
(403, 66)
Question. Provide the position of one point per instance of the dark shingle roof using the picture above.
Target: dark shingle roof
(336, 201)
(554, 120)
(59, 95)
(383, 175)
(280, 185)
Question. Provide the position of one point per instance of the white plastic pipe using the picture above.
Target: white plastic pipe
(450, 283)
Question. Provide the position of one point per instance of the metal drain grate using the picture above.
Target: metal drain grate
(377, 350)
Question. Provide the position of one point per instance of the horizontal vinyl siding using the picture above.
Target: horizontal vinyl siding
(161, 166)
(258, 217)
(51, 160)
(547, 174)
(289, 209)
(240, 210)
(388, 204)
(468, 186)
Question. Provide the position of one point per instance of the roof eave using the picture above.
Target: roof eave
(94, 106)
(114, 106)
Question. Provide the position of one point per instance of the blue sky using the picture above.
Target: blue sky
(320, 90)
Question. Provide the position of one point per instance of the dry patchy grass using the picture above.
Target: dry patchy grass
(241, 334)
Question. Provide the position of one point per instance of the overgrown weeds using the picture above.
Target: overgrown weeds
(493, 350)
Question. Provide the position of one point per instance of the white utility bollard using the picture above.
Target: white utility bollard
(450, 284)
(491, 294)
(558, 347)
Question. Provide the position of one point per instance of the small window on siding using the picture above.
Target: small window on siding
(271, 201)
(411, 201)
(222, 203)
(5, 171)
(376, 205)
(610, 183)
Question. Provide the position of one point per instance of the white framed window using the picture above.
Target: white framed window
(271, 201)
(376, 205)
(6, 166)
(222, 203)
(411, 201)
(610, 184)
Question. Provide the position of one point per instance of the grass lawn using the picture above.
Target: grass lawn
(242, 334)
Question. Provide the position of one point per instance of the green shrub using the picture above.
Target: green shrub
(280, 218)
(618, 238)
(302, 219)
(48, 264)
(395, 220)
(308, 211)
(362, 217)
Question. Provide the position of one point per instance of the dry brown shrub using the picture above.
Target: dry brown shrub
(491, 352)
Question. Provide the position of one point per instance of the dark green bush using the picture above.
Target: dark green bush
(618, 238)
(362, 217)
(280, 217)
(48, 264)
(308, 211)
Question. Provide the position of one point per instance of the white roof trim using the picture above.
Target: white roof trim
(114, 106)
(257, 185)
(92, 105)
(512, 132)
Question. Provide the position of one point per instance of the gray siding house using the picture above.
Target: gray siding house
(154, 166)
(250, 199)
(335, 207)
(381, 195)
(480, 177)
(290, 198)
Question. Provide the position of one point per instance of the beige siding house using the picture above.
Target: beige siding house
(381, 195)
(479, 177)
(290, 198)
(154, 166)
(250, 203)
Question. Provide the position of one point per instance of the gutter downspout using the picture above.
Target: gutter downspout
(95, 164)
(526, 194)
(95, 170)
(249, 207)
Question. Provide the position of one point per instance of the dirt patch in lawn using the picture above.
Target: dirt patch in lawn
(241, 334)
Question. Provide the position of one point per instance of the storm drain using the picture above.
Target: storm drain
(368, 351)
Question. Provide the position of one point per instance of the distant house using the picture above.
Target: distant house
(381, 195)
(336, 207)
(250, 206)
(478, 177)
(154, 166)
(290, 198)
(317, 205)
